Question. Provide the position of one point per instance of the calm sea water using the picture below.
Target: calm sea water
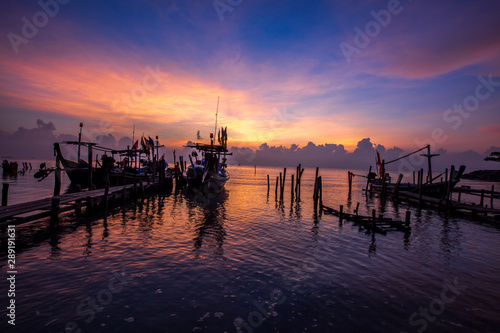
(243, 263)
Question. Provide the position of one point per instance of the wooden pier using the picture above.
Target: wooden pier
(53, 206)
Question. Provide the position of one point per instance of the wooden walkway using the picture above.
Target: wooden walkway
(373, 223)
(52, 206)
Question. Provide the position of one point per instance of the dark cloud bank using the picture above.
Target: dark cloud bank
(38, 142)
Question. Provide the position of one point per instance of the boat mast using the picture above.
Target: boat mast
(429, 164)
(216, 113)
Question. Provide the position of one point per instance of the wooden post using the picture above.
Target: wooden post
(320, 193)
(420, 172)
(491, 197)
(384, 185)
(268, 185)
(5, 193)
(450, 183)
(349, 175)
(407, 219)
(357, 209)
(90, 166)
(255, 169)
(481, 203)
(300, 182)
(57, 176)
(281, 184)
(341, 212)
(315, 193)
(283, 188)
(292, 193)
(276, 189)
(395, 192)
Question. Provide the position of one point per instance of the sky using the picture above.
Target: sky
(336, 74)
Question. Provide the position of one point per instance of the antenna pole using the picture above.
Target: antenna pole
(215, 131)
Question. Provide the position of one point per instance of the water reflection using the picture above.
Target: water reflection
(209, 218)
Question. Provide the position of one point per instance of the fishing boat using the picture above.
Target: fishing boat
(210, 172)
(432, 188)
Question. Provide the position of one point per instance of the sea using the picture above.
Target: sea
(244, 262)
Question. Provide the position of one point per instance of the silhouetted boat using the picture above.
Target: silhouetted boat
(210, 172)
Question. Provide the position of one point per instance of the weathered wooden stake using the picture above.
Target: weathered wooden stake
(320, 193)
(292, 189)
(357, 208)
(341, 212)
(315, 193)
(276, 189)
(268, 185)
(491, 197)
(349, 175)
(407, 218)
(5, 193)
(481, 203)
(420, 172)
(283, 188)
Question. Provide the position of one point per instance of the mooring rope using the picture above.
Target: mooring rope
(399, 158)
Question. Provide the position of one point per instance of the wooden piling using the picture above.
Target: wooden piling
(292, 189)
(349, 176)
(491, 197)
(5, 193)
(255, 169)
(357, 209)
(407, 219)
(281, 184)
(268, 185)
(341, 212)
(57, 176)
(481, 202)
(283, 188)
(315, 193)
(276, 189)
(320, 193)
(420, 173)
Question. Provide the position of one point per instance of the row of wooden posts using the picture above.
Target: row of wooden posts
(295, 188)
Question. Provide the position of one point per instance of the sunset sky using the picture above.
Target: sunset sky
(287, 72)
